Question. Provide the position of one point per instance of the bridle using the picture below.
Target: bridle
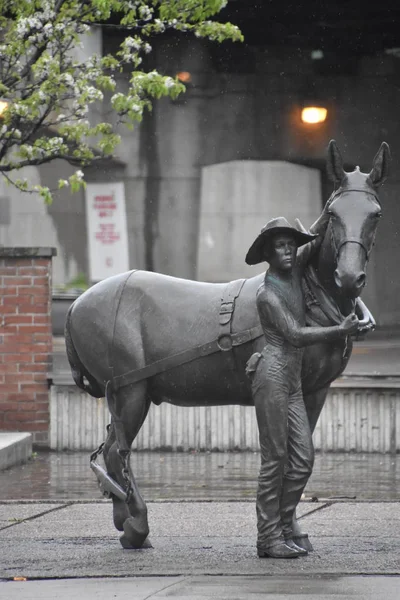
(349, 240)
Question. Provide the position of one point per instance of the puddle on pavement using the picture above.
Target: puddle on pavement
(200, 476)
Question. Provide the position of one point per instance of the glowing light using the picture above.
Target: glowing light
(184, 76)
(3, 107)
(313, 114)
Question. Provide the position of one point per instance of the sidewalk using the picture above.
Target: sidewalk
(201, 549)
(211, 538)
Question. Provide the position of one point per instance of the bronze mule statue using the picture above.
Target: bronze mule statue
(141, 337)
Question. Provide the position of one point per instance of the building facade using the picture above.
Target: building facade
(242, 105)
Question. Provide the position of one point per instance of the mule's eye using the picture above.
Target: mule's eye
(378, 215)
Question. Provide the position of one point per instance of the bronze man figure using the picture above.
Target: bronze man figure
(287, 452)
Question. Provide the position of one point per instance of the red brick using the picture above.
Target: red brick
(9, 368)
(42, 358)
(9, 309)
(17, 281)
(42, 397)
(9, 330)
(33, 368)
(9, 291)
(8, 270)
(18, 338)
(40, 280)
(42, 415)
(16, 398)
(35, 329)
(10, 388)
(18, 359)
(24, 404)
(42, 319)
(21, 262)
(20, 416)
(42, 262)
(30, 290)
(43, 338)
(18, 378)
(18, 320)
(40, 378)
(12, 348)
(34, 271)
(7, 405)
(31, 388)
(42, 426)
(41, 299)
(41, 308)
(17, 300)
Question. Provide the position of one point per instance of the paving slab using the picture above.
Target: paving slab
(13, 513)
(169, 519)
(78, 540)
(206, 587)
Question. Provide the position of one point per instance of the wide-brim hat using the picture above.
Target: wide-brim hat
(255, 254)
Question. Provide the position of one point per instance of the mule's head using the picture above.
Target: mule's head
(354, 210)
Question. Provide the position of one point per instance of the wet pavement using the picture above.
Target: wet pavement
(230, 476)
(57, 537)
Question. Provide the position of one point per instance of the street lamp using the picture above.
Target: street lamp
(314, 114)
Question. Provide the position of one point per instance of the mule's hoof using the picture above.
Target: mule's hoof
(135, 534)
(303, 542)
(125, 543)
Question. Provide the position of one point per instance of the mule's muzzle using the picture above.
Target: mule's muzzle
(351, 283)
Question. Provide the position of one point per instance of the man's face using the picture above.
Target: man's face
(283, 252)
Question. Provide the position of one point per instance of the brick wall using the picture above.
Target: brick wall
(25, 340)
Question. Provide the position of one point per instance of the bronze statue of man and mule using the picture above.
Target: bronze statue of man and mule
(142, 337)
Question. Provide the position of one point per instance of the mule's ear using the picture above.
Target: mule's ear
(300, 226)
(334, 163)
(380, 166)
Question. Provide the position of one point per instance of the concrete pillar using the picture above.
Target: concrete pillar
(237, 199)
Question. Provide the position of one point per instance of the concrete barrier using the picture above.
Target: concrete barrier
(360, 415)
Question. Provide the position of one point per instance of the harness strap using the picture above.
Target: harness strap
(114, 312)
(160, 366)
(350, 240)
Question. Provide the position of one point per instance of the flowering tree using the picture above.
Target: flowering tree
(47, 91)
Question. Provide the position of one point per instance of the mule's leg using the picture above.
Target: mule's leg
(314, 403)
(130, 410)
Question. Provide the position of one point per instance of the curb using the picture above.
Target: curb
(15, 449)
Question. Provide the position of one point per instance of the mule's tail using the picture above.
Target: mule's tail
(80, 375)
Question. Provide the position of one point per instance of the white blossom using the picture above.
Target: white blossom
(131, 42)
(169, 82)
(160, 25)
(145, 13)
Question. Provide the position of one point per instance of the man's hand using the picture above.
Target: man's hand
(350, 324)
